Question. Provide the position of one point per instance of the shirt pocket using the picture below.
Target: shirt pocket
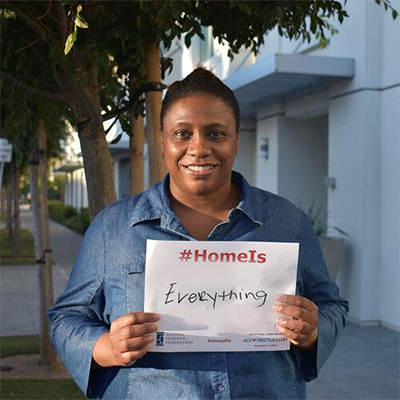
(134, 285)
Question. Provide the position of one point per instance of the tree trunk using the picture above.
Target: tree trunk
(35, 202)
(99, 171)
(48, 355)
(9, 206)
(38, 237)
(16, 222)
(3, 203)
(136, 156)
(153, 110)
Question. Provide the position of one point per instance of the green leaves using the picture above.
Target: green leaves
(116, 139)
(78, 21)
(387, 5)
(70, 41)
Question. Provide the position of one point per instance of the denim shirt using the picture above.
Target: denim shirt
(107, 282)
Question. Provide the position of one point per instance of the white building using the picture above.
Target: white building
(75, 189)
(311, 114)
(323, 126)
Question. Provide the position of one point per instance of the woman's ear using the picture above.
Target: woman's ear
(237, 142)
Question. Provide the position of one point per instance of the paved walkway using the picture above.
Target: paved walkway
(364, 364)
(19, 311)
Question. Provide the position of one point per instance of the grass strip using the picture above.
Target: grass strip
(17, 345)
(27, 246)
(40, 389)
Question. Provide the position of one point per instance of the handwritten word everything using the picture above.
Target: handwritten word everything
(205, 256)
(202, 296)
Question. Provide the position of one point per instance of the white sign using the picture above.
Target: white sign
(5, 150)
(218, 296)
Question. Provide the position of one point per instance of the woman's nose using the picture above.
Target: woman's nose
(199, 146)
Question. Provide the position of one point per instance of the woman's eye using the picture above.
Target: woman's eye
(216, 134)
(182, 135)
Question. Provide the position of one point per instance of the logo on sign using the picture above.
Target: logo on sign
(160, 339)
(228, 257)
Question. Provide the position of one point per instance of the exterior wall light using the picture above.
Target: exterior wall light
(264, 148)
(330, 182)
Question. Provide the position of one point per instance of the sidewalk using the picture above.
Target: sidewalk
(364, 364)
(19, 311)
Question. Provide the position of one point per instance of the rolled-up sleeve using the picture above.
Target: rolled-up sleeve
(77, 319)
(332, 309)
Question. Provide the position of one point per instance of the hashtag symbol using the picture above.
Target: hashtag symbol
(185, 255)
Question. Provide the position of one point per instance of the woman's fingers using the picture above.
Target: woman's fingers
(133, 325)
(295, 325)
(297, 307)
(130, 336)
(294, 312)
(298, 301)
(128, 358)
(135, 318)
(295, 337)
(132, 331)
(133, 344)
(301, 327)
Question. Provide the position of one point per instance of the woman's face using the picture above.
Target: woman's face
(200, 143)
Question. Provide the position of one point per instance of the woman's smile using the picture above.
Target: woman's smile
(200, 143)
(200, 170)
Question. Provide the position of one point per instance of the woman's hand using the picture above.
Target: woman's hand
(128, 340)
(301, 328)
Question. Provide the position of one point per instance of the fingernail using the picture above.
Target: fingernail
(281, 321)
(277, 307)
(281, 297)
(154, 327)
(149, 339)
(280, 328)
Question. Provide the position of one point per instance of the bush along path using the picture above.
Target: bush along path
(69, 216)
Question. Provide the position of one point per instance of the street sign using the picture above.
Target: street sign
(5, 156)
(5, 150)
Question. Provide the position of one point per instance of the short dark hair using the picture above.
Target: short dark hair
(200, 81)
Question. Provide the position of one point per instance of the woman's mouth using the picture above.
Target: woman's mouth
(199, 170)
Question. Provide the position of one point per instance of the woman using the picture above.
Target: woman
(98, 326)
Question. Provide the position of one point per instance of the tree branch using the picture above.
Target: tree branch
(28, 20)
(47, 11)
(28, 45)
(59, 15)
(60, 96)
(31, 21)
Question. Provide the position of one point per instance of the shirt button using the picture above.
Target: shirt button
(221, 387)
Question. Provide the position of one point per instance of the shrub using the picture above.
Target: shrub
(69, 216)
(85, 219)
(56, 210)
(69, 212)
(74, 223)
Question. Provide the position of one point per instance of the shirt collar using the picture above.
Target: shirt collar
(155, 203)
(250, 202)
